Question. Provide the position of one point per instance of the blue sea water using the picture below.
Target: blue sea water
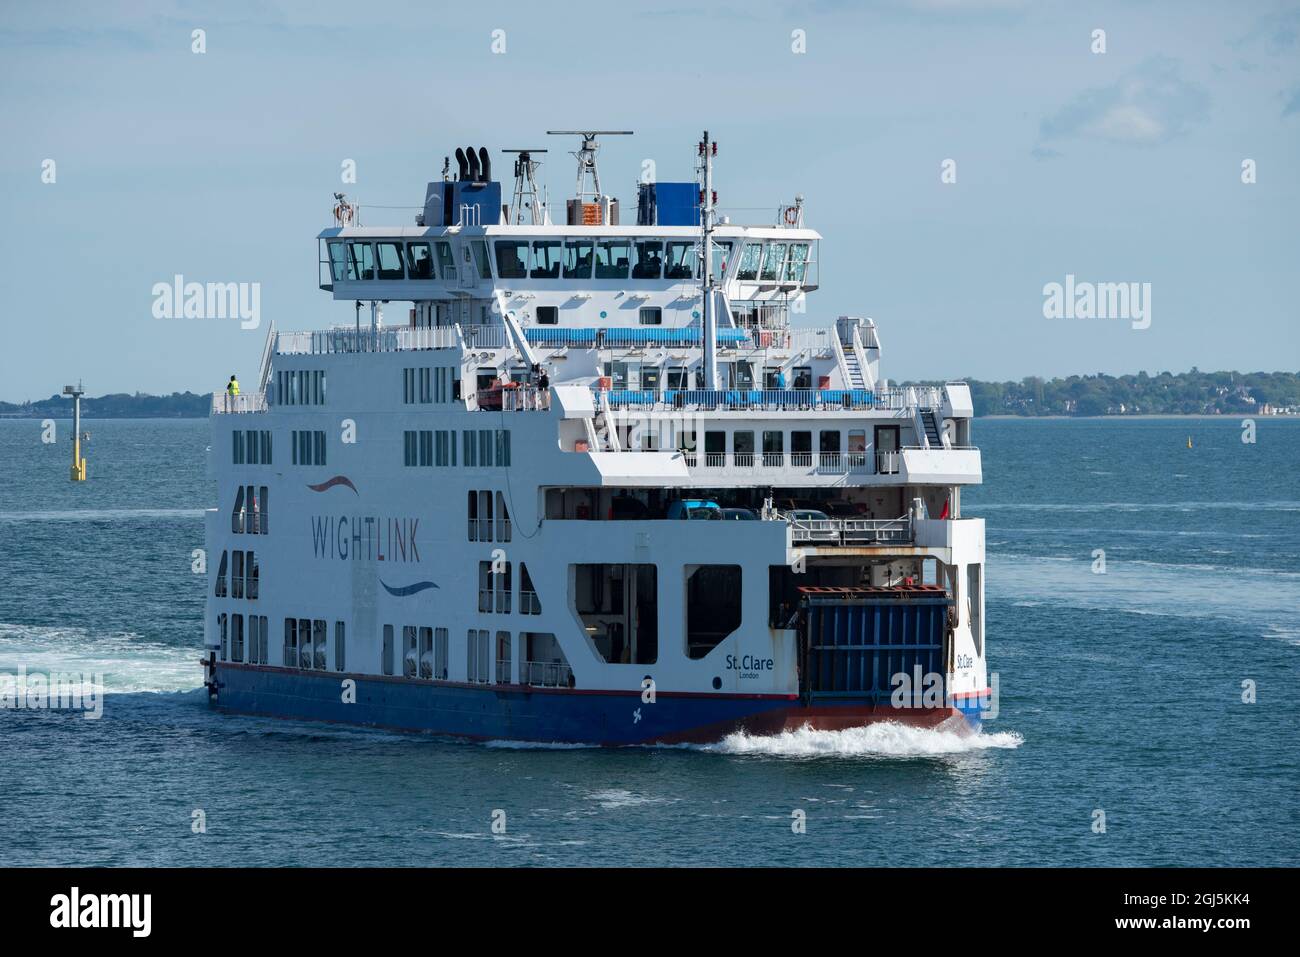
(1119, 692)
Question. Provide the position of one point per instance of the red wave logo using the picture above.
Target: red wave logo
(336, 480)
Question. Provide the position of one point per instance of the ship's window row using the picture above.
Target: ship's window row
(231, 629)
(237, 575)
(306, 644)
(251, 447)
(621, 258)
(426, 385)
(633, 374)
(308, 447)
(300, 387)
(250, 514)
(482, 526)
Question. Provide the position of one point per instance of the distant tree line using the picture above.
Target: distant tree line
(1184, 393)
(121, 405)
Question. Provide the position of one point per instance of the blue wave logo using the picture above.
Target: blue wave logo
(407, 590)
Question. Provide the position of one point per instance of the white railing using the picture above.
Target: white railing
(347, 339)
(548, 674)
(244, 402)
(850, 531)
(886, 463)
(824, 463)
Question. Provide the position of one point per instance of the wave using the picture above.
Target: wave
(886, 739)
(100, 515)
(127, 662)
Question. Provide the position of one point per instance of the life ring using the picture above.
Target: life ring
(343, 214)
(791, 215)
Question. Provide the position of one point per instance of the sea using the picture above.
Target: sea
(1143, 622)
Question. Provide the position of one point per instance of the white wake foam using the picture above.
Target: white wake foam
(886, 739)
(128, 662)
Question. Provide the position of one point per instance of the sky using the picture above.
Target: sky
(958, 156)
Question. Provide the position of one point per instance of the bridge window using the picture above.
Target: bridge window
(446, 261)
(338, 260)
(548, 315)
(479, 247)
(773, 262)
(652, 316)
(512, 259)
(712, 606)
(649, 260)
(419, 261)
(721, 257)
(797, 265)
(749, 260)
(361, 261)
(612, 257)
(678, 264)
(390, 261)
(546, 259)
(578, 259)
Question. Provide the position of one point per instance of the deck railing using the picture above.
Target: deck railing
(223, 403)
(850, 531)
(547, 674)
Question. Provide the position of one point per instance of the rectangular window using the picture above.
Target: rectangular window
(649, 260)
(481, 259)
(440, 654)
(387, 661)
(251, 447)
(304, 642)
(773, 262)
(236, 574)
(419, 261)
(652, 316)
(319, 447)
(408, 386)
(548, 315)
(237, 451)
(266, 447)
(251, 574)
(476, 656)
(338, 261)
(578, 259)
(546, 259)
(512, 259)
(426, 447)
(361, 261)
(612, 258)
(485, 584)
(681, 257)
(440, 455)
(409, 448)
(236, 637)
(503, 448)
(485, 447)
(290, 642)
(426, 391)
(503, 658)
(426, 652)
(340, 653)
(409, 652)
(390, 261)
(471, 459)
(797, 263)
(749, 260)
(318, 644)
(223, 623)
(446, 261)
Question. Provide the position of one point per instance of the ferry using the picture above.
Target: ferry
(591, 481)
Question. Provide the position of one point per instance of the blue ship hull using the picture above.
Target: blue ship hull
(546, 715)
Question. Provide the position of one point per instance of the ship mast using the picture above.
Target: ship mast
(708, 150)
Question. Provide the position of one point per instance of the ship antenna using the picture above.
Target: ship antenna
(526, 188)
(586, 157)
(709, 333)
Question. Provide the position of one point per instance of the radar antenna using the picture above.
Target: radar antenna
(526, 200)
(586, 157)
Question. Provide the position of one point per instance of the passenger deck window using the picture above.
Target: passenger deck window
(749, 260)
(578, 259)
(680, 258)
(361, 261)
(649, 260)
(612, 258)
(511, 259)
(419, 261)
(546, 259)
(390, 261)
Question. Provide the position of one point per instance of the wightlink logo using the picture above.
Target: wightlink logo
(75, 909)
(208, 300)
(1130, 301)
(365, 538)
(55, 691)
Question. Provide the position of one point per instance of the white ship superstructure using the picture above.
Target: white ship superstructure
(589, 482)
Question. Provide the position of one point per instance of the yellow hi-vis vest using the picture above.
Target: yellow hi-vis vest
(233, 387)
